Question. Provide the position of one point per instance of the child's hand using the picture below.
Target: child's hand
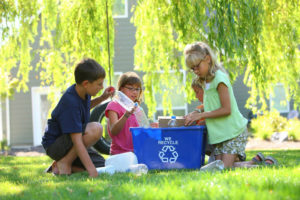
(108, 92)
(128, 113)
(191, 117)
(93, 173)
(154, 125)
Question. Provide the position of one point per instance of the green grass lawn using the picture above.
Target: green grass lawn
(23, 178)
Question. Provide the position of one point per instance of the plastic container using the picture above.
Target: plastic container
(121, 162)
(217, 165)
(211, 159)
(170, 148)
(172, 122)
(107, 169)
(128, 104)
(123, 100)
(138, 169)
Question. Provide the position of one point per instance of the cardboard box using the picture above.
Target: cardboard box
(163, 121)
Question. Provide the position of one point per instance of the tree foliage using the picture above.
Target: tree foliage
(258, 38)
(55, 32)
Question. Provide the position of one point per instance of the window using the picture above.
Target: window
(279, 101)
(114, 81)
(179, 105)
(120, 9)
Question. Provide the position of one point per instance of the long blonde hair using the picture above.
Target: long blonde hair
(195, 53)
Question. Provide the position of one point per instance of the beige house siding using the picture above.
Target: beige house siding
(21, 115)
(124, 43)
(241, 95)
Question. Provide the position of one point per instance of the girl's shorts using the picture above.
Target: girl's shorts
(235, 145)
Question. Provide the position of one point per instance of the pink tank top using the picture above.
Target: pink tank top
(122, 142)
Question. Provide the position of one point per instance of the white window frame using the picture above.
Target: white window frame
(36, 93)
(106, 83)
(287, 102)
(125, 14)
(118, 73)
(185, 107)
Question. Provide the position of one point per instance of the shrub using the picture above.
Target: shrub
(293, 129)
(3, 145)
(265, 125)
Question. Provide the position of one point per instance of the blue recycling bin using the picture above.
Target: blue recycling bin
(170, 148)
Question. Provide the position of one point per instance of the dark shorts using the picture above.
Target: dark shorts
(62, 146)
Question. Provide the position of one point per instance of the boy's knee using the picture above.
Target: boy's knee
(96, 130)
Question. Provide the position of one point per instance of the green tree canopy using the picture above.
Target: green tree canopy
(55, 32)
(259, 38)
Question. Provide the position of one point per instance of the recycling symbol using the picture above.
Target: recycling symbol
(168, 154)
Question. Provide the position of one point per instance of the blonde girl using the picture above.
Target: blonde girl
(226, 125)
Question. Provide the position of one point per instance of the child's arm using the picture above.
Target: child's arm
(224, 110)
(108, 92)
(115, 124)
(83, 154)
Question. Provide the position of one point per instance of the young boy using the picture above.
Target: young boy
(69, 133)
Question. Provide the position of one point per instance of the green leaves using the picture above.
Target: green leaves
(68, 31)
(259, 38)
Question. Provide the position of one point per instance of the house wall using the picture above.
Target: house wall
(124, 42)
(21, 128)
(241, 95)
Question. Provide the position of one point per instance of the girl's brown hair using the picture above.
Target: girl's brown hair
(131, 78)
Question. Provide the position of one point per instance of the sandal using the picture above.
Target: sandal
(259, 158)
(241, 158)
(272, 161)
(52, 168)
(48, 169)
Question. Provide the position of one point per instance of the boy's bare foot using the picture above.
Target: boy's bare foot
(55, 168)
(63, 168)
(77, 169)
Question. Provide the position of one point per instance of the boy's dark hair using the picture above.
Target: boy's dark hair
(88, 69)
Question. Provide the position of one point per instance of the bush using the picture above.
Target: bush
(265, 125)
(3, 145)
(293, 129)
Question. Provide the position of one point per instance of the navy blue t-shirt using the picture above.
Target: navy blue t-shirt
(70, 115)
